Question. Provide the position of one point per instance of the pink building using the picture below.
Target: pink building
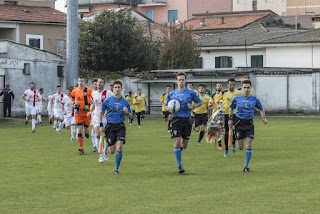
(160, 11)
(167, 11)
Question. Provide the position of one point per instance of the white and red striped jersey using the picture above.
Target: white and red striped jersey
(41, 99)
(68, 105)
(31, 97)
(57, 98)
(99, 97)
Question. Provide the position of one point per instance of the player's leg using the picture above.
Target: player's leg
(28, 113)
(39, 118)
(197, 122)
(249, 134)
(73, 128)
(79, 121)
(96, 128)
(34, 118)
(176, 137)
(139, 118)
(118, 156)
(203, 122)
(226, 135)
(133, 113)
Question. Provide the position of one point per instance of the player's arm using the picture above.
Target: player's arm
(197, 101)
(211, 103)
(52, 101)
(127, 110)
(233, 106)
(24, 97)
(262, 111)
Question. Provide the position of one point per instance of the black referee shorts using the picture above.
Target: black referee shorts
(115, 132)
(181, 127)
(244, 128)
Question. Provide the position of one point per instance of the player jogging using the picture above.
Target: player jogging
(243, 119)
(181, 123)
(165, 112)
(57, 108)
(68, 112)
(40, 105)
(30, 96)
(140, 102)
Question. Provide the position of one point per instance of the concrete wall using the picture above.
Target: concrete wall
(39, 3)
(306, 6)
(51, 34)
(43, 71)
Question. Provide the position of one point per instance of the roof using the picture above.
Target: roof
(304, 20)
(229, 20)
(31, 14)
(245, 36)
(310, 36)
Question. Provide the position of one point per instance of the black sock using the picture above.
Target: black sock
(139, 119)
(201, 136)
(169, 125)
(219, 142)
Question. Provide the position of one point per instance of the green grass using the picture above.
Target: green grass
(42, 172)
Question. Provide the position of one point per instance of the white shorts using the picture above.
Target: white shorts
(58, 113)
(31, 110)
(50, 113)
(39, 109)
(69, 120)
(96, 123)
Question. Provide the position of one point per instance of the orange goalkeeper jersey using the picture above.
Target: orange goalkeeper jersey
(78, 96)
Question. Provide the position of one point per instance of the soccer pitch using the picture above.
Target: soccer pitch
(43, 173)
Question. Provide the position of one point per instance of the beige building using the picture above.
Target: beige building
(277, 6)
(39, 3)
(304, 7)
(39, 27)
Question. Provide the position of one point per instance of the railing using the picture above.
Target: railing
(154, 2)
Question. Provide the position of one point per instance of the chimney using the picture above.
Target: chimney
(222, 20)
(202, 22)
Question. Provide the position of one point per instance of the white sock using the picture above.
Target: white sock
(34, 123)
(93, 137)
(60, 125)
(97, 142)
(39, 118)
(73, 131)
(55, 124)
(105, 146)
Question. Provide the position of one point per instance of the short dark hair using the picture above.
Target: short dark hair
(94, 80)
(31, 83)
(41, 89)
(81, 77)
(201, 85)
(104, 80)
(169, 86)
(139, 89)
(70, 88)
(246, 82)
(58, 86)
(218, 83)
(231, 79)
(130, 92)
(181, 74)
(117, 82)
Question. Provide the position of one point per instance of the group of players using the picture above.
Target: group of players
(196, 106)
(82, 106)
(105, 110)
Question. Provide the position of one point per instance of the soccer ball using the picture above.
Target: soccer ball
(173, 105)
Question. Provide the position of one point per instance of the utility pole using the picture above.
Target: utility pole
(72, 43)
(296, 19)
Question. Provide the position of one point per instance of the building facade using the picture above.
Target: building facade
(38, 3)
(277, 6)
(303, 7)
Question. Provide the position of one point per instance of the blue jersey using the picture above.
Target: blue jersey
(185, 97)
(245, 106)
(114, 107)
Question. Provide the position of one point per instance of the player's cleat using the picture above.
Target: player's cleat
(26, 122)
(199, 144)
(64, 126)
(81, 152)
(40, 123)
(116, 171)
(101, 159)
(234, 150)
(139, 127)
(220, 148)
(246, 169)
(59, 131)
(33, 130)
(71, 139)
(87, 135)
(130, 124)
(181, 170)
(94, 149)
(106, 157)
(226, 154)
(50, 122)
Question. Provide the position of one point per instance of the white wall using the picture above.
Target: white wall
(293, 56)
(238, 57)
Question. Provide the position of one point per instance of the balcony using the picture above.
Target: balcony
(152, 3)
(128, 2)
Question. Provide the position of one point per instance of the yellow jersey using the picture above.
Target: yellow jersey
(215, 100)
(140, 102)
(130, 100)
(203, 109)
(163, 100)
(227, 97)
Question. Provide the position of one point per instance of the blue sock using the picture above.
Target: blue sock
(118, 159)
(177, 153)
(248, 156)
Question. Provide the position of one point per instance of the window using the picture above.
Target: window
(254, 5)
(34, 41)
(61, 47)
(172, 16)
(26, 69)
(223, 62)
(11, 2)
(240, 1)
(268, 1)
(257, 61)
(200, 62)
(150, 14)
(310, 13)
(60, 72)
